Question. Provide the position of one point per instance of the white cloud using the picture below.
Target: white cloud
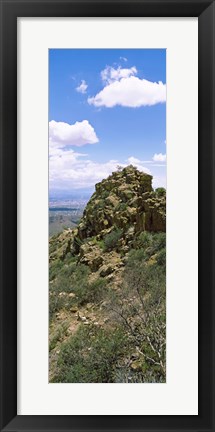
(138, 164)
(109, 74)
(63, 134)
(124, 89)
(124, 59)
(159, 181)
(71, 170)
(159, 157)
(82, 87)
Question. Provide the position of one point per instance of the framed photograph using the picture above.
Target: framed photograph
(107, 243)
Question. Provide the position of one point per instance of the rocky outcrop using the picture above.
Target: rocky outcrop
(124, 204)
(60, 245)
(90, 254)
(124, 199)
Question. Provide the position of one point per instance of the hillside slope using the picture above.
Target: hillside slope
(107, 286)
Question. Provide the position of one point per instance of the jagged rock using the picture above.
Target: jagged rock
(91, 255)
(129, 233)
(120, 221)
(126, 201)
(134, 356)
(61, 245)
(131, 213)
(136, 365)
(89, 306)
(106, 270)
(73, 309)
(112, 200)
(104, 232)
(125, 193)
(140, 222)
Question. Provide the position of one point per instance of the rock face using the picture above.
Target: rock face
(124, 199)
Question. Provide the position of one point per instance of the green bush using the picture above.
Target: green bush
(143, 278)
(136, 256)
(150, 244)
(58, 334)
(161, 258)
(89, 292)
(140, 306)
(144, 240)
(54, 268)
(90, 356)
(146, 375)
(160, 191)
(111, 240)
(159, 241)
(99, 243)
(79, 283)
(71, 278)
(97, 290)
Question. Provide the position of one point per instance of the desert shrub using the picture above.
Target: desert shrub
(144, 240)
(145, 375)
(150, 244)
(89, 292)
(140, 308)
(60, 274)
(99, 243)
(54, 268)
(161, 258)
(70, 279)
(96, 290)
(77, 242)
(144, 279)
(58, 334)
(111, 240)
(159, 241)
(74, 279)
(90, 356)
(79, 283)
(160, 191)
(135, 256)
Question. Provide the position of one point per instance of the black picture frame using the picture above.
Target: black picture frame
(10, 11)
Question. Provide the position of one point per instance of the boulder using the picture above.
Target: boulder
(90, 255)
(136, 365)
(106, 270)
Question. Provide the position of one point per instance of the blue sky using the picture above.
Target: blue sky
(106, 108)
